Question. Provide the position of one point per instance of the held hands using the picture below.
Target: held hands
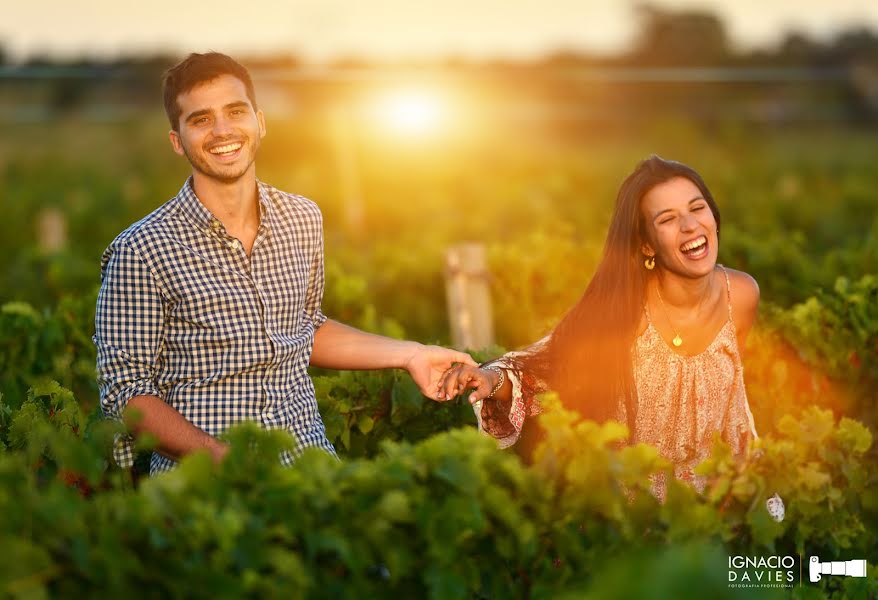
(428, 364)
(462, 377)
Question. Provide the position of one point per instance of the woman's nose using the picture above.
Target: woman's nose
(688, 222)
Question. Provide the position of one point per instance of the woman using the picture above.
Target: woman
(655, 341)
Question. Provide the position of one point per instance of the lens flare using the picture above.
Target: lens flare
(410, 111)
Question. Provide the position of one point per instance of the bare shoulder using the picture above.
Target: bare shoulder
(745, 297)
(744, 287)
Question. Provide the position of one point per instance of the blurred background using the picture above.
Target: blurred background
(417, 126)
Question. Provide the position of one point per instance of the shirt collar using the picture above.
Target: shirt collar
(195, 211)
(266, 206)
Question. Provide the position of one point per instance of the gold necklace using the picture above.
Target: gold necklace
(677, 341)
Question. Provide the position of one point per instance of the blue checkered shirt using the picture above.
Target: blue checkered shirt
(186, 315)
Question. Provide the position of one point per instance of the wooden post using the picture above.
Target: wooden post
(469, 297)
(51, 230)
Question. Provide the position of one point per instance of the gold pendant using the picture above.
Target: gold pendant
(678, 341)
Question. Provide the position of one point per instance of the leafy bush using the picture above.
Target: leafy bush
(448, 517)
(821, 351)
(53, 344)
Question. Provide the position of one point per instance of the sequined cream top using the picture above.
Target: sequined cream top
(681, 400)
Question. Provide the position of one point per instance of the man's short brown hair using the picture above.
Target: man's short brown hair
(195, 70)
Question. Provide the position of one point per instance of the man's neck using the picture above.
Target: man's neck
(235, 204)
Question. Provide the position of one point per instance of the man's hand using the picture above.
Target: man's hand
(175, 435)
(427, 364)
(219, 451)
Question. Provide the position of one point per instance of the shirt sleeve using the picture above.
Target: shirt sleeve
(505, 420)
(314, 293)
(129, 332)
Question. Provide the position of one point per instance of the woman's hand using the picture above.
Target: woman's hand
(462, 377)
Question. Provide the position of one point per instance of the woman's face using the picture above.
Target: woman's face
(680, 228)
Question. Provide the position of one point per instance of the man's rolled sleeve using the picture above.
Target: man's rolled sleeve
(314, 294)
(129, 326)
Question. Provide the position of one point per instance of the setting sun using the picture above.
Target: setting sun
(410, 111)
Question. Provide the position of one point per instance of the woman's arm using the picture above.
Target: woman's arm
(503, 414)
(745, 304)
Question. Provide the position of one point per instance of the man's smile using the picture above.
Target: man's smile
(226, 150)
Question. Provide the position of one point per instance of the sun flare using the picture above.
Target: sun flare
(410, 111)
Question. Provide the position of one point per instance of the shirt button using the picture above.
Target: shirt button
(216, 224)
(236, 245)
(269, 414)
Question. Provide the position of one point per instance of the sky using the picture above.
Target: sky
(320, 30)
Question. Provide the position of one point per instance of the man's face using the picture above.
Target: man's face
(219, 129)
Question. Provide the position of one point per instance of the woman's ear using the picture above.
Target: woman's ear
(647, 250)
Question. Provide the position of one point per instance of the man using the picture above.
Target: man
(209, 309)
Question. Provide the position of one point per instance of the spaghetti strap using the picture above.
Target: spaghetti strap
(728, 290)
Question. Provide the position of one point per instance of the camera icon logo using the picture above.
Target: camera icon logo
(848, 568)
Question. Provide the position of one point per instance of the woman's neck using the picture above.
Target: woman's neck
(684, 292)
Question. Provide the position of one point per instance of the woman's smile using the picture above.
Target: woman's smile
(696, 249)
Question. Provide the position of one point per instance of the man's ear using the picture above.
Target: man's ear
(260, 118)
(176, 142)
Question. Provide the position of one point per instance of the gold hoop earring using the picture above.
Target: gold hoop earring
(649, 263)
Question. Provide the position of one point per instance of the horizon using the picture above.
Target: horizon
(328, 30)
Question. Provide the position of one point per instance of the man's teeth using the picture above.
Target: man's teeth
(693, 244)
(225, 149)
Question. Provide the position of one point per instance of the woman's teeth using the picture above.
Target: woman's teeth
(694, 244)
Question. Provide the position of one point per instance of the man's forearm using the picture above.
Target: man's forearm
(337, 346)
(176, 436)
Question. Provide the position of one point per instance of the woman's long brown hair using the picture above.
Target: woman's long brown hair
(587, 359)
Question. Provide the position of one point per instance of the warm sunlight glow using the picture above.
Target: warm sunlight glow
(410, 111)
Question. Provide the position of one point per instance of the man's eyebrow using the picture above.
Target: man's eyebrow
(207, 111)
(661, 212)
(197, 113)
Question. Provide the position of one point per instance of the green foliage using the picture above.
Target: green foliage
(819, 467)
(821, 351)
(678, 571)
(362, 409)
(530, 264)
(344, 296)
(52, 344)
(450, 516)
(838, 330)
(413, 509)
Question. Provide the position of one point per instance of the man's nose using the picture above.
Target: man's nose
(221, 126)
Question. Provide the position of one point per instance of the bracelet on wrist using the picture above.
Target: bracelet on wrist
(502, 374)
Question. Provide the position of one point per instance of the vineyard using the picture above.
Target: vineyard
(421, 505)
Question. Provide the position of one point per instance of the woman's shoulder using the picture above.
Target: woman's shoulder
(744, 296)
(744, 286)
